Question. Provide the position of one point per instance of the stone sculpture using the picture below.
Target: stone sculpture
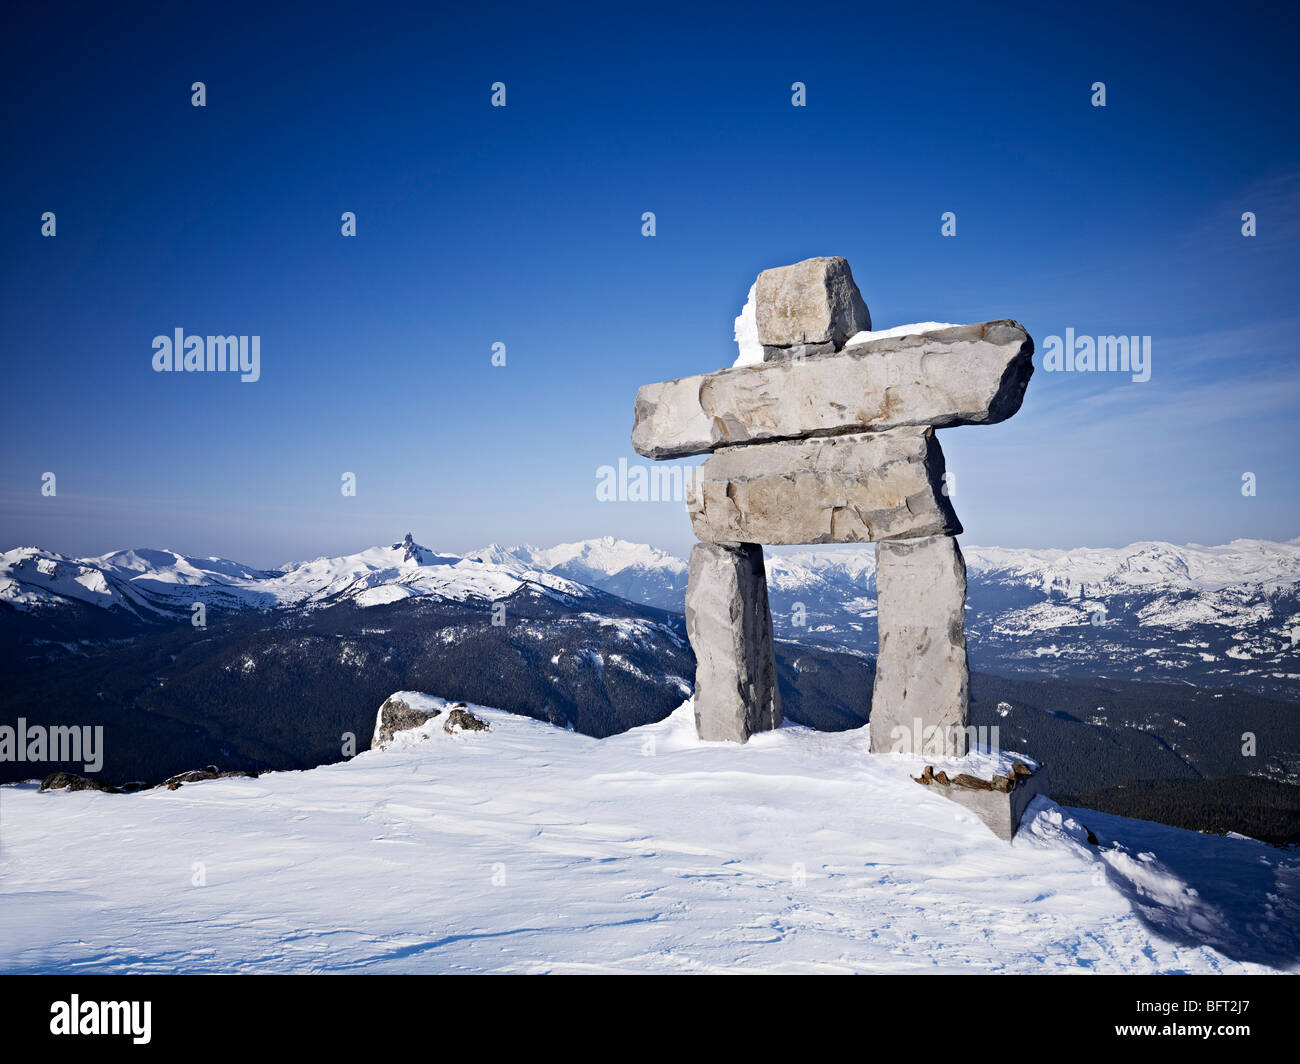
(831, 439)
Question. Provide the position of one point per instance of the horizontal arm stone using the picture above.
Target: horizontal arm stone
(964, 375)
(844, 489)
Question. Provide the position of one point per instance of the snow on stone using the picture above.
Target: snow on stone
(751, 351)
(746, 334)
(919, 328)
(531, 849)
(428, 703)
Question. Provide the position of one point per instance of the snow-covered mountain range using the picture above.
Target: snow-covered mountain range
(1221, 615)
(162, 582)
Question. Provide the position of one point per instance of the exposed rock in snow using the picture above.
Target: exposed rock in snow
(397, 714)
(57, 781)
(461, 720)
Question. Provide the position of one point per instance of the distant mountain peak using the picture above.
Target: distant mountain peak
(410, 549)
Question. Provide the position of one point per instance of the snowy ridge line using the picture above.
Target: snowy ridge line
(1145, 565)
(158, 581)
(164, 582)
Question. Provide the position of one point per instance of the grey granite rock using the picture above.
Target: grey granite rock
(962, 375)
(1000, 807)
(922, 681)
(841, 489)
(396, 715)
(730, 629)
(459, 720)
(808, 308)
(57, 781)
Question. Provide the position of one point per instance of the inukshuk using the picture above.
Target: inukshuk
(831, 439)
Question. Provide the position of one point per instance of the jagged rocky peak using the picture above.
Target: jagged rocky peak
(412, 551)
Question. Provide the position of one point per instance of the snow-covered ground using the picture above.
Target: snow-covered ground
(528, 848)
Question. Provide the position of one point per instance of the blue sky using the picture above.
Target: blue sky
(522, 225)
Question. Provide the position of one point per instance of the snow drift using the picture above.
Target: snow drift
(527, 848)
